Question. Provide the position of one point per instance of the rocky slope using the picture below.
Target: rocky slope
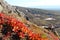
(14, 12)
(34, 15)
(37, 16)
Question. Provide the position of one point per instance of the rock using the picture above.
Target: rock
(1, 8)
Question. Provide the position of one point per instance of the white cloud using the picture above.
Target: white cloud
(29, 3)
(42, 3)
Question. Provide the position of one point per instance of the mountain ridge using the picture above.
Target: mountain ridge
(26, 17)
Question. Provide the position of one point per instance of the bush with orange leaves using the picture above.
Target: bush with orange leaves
(13, 25)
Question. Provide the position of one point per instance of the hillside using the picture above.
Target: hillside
(37, 16)
(16, 24)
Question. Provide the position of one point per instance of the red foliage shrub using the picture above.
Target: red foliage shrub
(19, 28)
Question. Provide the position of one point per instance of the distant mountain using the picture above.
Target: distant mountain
(37, 16)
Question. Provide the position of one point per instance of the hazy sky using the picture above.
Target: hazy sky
(44, 4)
